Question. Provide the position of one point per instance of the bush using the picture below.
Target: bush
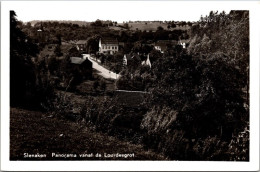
(57, 51)
(239, 146)
(65, 105)
(163, 134)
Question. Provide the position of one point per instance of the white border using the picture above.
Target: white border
(253, 165)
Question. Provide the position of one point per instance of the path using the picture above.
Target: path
(103, 71)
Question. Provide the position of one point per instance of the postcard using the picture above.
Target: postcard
(130, 85)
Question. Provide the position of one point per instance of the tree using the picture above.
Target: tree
(110, 24)
(173, 25)
(126, 26)
(103, 85)
(58, 36)
(53, 65)
(74, 52)
(160, 28)
(189, 24)
(57, 51)
(92, 45)
(155, 55)
(206, 93)
(22, 74)
(127, 48)
(97, 23)
(96, 85)
(102, 59)
(226, 33)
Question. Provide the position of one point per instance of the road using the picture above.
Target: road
(103, 71)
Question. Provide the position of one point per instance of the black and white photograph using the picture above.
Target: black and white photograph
(122, 81)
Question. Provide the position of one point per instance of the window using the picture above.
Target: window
(112, 47)
(108, 47)
(115, 47)
(103, 47)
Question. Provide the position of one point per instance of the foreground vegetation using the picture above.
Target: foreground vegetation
(35, 132)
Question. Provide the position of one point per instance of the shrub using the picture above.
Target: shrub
(239, 146)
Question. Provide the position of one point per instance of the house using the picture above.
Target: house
(125, 60)
(162, 45)
(81, 45)
(132, 60)
(183, 43)
(82, 66)
(147, 62)
(108, 45)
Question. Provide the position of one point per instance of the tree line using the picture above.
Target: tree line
(68, 31)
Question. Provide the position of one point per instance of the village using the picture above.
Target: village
(108, 46)
(107, 56)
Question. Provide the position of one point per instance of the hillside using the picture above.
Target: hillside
(152, 26)
(34, 132)
(80, 23)
(147, 26)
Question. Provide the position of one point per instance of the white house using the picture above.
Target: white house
(108, 45)
(124, 60)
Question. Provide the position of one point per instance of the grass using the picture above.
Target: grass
(35, 132)
(86, 87)
(149, 26)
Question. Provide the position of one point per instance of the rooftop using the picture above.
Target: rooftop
(82, 42)
(184, 41)
(77, 60)
(109, 41)
(165, 42)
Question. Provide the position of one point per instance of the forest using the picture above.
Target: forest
(197, 98)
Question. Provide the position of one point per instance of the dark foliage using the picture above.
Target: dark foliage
(202, 93)
(22, 76)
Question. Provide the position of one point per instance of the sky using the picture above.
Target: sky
(116, 10)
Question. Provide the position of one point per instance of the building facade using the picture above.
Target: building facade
(108, 46)
(82, 45)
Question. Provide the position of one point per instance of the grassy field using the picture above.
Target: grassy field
(149, 26)
(35, 132)
(48, 50)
